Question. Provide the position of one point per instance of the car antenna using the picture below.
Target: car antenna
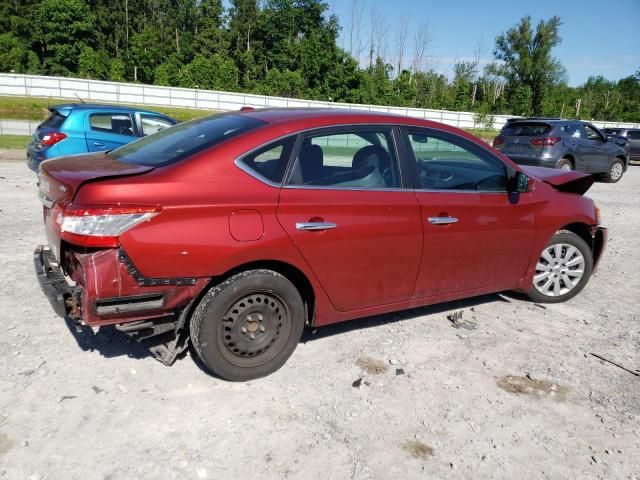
(81, 100)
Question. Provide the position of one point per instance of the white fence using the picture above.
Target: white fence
(152, 95)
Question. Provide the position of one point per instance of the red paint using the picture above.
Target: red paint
(383, 256)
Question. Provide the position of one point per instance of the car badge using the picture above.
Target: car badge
(516, 140)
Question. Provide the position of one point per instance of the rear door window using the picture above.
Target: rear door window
(525, 129)
(361, 158)
(118, 123)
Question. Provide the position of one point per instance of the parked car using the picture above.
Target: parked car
(564, 144)
(82, 127)
(632, 136)
(237, 230)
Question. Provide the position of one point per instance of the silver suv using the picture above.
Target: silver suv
(565, 144)
(633, 141)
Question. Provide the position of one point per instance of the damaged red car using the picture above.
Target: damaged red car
(234, 232)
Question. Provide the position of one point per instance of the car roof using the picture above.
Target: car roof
(100, 106)
(284, 115)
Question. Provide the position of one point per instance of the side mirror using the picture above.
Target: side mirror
(522, 183)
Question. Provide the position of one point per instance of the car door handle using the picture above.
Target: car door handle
(442, 220)
(315, 225)
(98, 144)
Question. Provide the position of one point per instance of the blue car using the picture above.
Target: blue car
(82, 127)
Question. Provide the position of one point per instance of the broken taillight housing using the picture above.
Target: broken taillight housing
(101, 226)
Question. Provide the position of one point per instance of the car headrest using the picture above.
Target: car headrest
(311, 162)
(371, 156)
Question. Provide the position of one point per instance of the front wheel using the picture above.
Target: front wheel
(563, 269)
(615, 171)
(248, 326)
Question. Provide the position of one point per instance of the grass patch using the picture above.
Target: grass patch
(483, 133)
(35, 108)
(14, 141)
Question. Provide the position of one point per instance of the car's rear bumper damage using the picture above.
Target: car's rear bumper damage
(103, 287)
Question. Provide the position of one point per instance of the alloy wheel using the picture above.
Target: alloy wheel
(616, 171)
(559, 270)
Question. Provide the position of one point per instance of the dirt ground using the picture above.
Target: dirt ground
(509, 390)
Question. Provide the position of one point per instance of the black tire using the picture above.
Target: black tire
(563, 162)
(567, 238)
(248, 326)
(615, 172)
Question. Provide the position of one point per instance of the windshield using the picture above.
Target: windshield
(183, 140)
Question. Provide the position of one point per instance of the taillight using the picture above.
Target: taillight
(498, 142)
(101, 226)
(52, 138)
(545, 142)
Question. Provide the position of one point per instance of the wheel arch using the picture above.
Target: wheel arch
(580, 229)
(287, 270)
(571, 158)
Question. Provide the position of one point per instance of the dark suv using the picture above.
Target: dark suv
(633, 141)
(565, 144)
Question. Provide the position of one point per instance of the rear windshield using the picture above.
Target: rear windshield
(55, 120)
(521, 129)
(180, 141)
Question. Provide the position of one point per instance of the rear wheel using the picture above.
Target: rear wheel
(564, 164)
(563, 269)
(248, 326)
(615, 171)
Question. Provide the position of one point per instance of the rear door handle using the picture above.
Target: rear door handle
(315, 225)
(442, 220)
(98, 144)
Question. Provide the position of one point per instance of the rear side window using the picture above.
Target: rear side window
(634, 134)
(523, 129)
(183, 140)
(270, 162)
(118, 123)
(55, 120)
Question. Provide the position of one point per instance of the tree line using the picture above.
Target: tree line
(291, 48)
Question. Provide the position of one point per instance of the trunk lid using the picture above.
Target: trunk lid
(562, 180)
(60, 179)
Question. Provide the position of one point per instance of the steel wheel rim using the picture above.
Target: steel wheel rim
(253, 329)
(559, 270)
(616, 171)
(566, 167)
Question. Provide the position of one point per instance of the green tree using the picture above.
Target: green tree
(528, 65)
(64, 28)
(117, 70)
(93, 64)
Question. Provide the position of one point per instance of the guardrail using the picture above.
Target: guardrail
(153, 95)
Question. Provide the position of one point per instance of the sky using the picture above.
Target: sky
(598, 38)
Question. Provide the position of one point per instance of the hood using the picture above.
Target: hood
(61, 177)
(561, 180)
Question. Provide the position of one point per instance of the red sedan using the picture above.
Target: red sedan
(235, 231)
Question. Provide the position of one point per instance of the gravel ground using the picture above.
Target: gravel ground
(507, 391)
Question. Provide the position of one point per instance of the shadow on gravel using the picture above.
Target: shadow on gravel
(379, 320)
(108, 342)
